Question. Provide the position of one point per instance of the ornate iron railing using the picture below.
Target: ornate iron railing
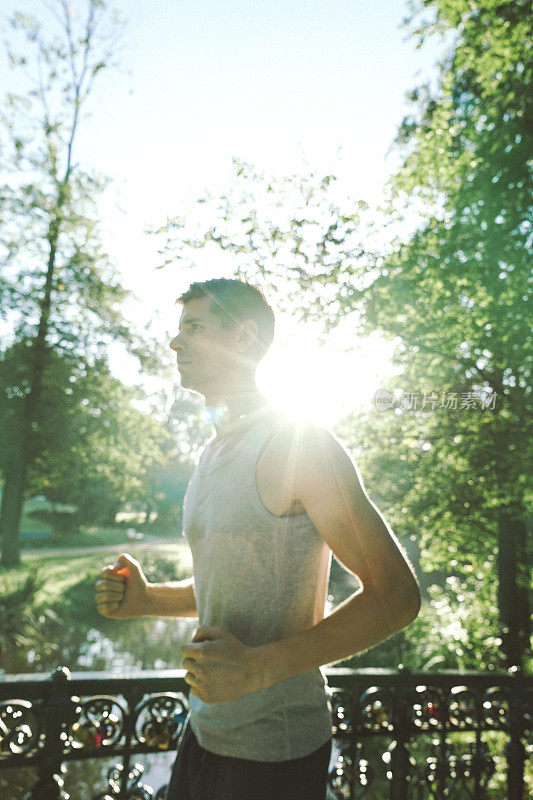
(397, 734)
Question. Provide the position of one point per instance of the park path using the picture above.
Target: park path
(124, 547)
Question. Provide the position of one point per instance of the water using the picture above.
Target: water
(121, 647)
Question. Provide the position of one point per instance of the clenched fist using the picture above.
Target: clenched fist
(220, 667)
(121, 591)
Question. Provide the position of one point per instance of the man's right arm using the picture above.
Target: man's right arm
(172, 599)
(123, 592)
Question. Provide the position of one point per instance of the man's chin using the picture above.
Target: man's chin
(189, 385)
(186, 381)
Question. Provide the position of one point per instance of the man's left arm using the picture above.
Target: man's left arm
(331, 491)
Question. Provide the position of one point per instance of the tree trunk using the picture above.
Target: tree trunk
(13, 496)
(16, 472)
(512, 586)
(11, 509)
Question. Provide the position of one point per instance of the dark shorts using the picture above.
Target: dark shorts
(199, 774)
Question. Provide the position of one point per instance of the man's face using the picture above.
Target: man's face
(206, 351)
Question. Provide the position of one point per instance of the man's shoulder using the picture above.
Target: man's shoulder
(304, 460)
(290, 427)
(300, 440)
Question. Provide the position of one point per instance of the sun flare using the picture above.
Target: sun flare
(322, 383)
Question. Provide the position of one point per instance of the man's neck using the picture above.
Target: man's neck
(231, 408)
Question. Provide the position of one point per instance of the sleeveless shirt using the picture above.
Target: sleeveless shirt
(261, 578)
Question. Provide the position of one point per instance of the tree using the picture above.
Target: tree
(58, 290)
(107, 447)
(89, 446)
(465, 149)
(308, 247)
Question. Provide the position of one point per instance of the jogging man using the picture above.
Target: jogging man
(269, 501)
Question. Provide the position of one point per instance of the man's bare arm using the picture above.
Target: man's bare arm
(172, 599)
(122, 592)
(332, 494)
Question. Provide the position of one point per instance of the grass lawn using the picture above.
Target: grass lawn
(91, 537)
(66, 583)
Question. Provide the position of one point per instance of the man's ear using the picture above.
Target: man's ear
(250, 333)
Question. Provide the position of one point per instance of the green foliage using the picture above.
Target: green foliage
(49, 201)
(458, 628)
(465, 150)
(90, 446)
(20, 623)
(69, 430)
(292, 234)
(55, 271)
(63, 524)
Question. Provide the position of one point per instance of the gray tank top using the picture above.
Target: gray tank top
(261, 578)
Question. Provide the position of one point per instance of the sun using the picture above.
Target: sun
(322, 384)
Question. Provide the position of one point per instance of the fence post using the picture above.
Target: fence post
(399, 754)
(49, 783)
(515, 750)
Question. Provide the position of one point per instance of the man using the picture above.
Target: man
(269, 501)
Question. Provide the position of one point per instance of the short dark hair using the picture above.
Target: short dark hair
(235, 301)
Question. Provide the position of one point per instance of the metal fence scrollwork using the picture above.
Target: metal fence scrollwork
(99, 723)
(440, 736)
(159, 719)
(19, 728)
(396, 735)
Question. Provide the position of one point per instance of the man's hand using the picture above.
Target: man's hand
(220, 667)
(121, 592)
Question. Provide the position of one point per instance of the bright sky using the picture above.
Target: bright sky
(205, 80)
